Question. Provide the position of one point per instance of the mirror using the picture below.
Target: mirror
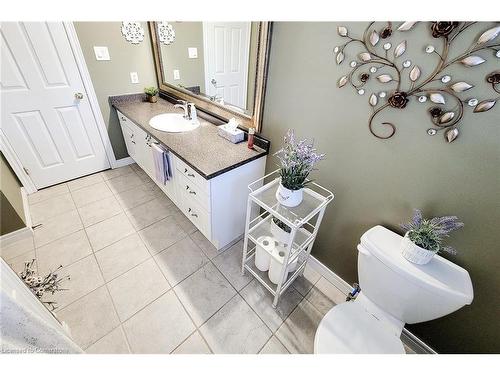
(220, 66)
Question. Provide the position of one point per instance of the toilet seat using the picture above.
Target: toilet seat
(349, 329)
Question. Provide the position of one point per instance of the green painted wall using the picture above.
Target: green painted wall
(379, 182)
(11, 201)
(113, 77)
(175, 56)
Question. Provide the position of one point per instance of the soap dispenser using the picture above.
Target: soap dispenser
(192, 112)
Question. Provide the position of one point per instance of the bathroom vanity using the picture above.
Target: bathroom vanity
(210, 175)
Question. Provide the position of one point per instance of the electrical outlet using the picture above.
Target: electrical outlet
(193, 52)
(101, 53)
(134, 77)
(177, 74)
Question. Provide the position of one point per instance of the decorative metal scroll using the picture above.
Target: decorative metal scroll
(380, 59)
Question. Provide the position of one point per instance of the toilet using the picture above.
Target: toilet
(393, 292)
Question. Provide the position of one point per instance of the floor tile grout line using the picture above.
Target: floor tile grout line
(130, 208)
(40, 190)
(210, 260)
(149, 225)
(95, 258)
(86, 186)
(171, 289)
(115, 192)
(184, 307)
(295, 308)
(194, 324)
(35, 222)
(303, 297)
(107, 289)
(19, 255)
(58, 238)
(224, 304)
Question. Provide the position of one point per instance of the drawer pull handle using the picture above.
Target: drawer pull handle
(190, 175)
(187, 187)
(124, 119)
(192, 192)
(133, 142)
(195, 215)
(185, 170)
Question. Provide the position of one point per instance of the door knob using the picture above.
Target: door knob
(78, 95)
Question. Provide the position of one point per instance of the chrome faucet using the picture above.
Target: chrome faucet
(184, 105)
(189, 109)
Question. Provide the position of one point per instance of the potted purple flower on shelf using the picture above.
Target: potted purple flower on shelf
(297, 160)
(424, 237)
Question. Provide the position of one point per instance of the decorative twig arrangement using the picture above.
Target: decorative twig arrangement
(41, 285)
(437, 88)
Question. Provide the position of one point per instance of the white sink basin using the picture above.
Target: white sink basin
(173, 123)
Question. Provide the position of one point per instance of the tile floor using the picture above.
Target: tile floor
(144, 280)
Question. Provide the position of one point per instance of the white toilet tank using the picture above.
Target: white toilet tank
(411, 293)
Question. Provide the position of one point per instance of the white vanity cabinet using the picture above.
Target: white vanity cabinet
(217, 206)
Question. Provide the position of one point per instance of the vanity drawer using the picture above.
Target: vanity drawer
(193, 191)
(195, 212)
(193, 176)
(122, 118)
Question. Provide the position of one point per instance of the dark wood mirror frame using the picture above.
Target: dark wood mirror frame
(205, 104)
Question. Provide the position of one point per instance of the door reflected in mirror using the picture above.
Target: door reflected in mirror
(214, 60)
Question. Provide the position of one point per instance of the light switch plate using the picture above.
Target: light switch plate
(134, 77)
(193, 52)
(177, 74)
(101, 53)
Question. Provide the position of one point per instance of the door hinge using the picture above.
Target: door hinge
(26, 170)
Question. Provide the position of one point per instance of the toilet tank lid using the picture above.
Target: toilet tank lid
(439, 275)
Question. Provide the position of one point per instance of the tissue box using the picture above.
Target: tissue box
(232, 135)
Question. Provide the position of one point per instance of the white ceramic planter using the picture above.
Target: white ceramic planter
(415, 253)
(287, 197)
(265, 247)
(279, 234)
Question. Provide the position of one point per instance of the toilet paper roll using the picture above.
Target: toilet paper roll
(265, 247)
(276, 264)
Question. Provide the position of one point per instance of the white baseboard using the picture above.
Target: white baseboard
(407, 337)
(15, 236)
(123, 162)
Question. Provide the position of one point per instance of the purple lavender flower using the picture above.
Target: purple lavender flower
(429, 233)
(297, 160)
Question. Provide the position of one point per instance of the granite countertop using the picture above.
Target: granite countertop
(203, 149)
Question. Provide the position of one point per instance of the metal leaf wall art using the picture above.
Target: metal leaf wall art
(376, 61)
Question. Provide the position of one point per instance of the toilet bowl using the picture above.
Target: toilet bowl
(393, 292)
(348, 328)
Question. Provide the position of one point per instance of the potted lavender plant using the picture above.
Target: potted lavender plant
(424, 237)
(297, 160)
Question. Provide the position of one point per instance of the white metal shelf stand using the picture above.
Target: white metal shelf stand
(303, 220)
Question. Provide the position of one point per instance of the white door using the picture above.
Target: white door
(226, 50)
(46, 115)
